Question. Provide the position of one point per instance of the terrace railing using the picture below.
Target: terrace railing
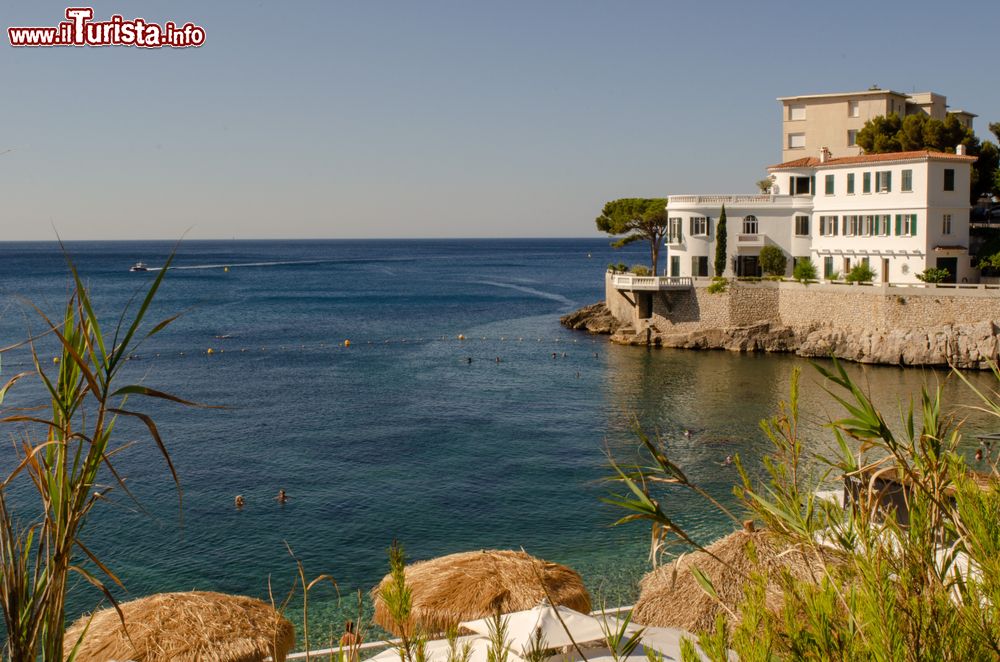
(651, 283)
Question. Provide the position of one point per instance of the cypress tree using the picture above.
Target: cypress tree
(720, 243)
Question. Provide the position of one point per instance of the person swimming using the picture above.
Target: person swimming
(239, 501)
(282, 497)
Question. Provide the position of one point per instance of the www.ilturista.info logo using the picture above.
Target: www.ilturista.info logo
(80, 30)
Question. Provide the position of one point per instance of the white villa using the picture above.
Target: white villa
(901, 213)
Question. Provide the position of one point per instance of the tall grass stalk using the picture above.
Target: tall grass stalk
(64, 449)
(879, 589)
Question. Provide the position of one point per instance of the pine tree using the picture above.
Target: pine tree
(720, 243)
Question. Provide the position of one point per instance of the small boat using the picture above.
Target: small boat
(139, 266)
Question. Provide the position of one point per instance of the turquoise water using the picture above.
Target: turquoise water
(399, 436)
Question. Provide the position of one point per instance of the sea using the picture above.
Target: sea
(419, 391)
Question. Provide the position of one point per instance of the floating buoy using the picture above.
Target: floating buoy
(210, 351)
(55, 359)
(225, 269)
(347, 343)
(461, 337)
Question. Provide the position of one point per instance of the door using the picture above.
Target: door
(675, 265)
(951, 264)
(747, 266)
(885, 270)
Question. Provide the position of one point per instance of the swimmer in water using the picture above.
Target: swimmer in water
(282, 497)
(239, 501)
(728, 460)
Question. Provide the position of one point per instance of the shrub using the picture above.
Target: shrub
(804, 270)
(867, 586)
(640, 270)
(933, 275)
(718, 285)
(860, 273)
(773, 261)
(834, 276)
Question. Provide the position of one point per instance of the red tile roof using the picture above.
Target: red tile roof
(813, 162)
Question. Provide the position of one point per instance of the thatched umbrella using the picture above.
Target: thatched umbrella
(470, 585)
(208, 627)
(670, 596)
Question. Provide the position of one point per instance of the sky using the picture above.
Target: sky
(383, 119)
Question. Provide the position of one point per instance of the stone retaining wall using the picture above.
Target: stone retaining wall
(854, 308)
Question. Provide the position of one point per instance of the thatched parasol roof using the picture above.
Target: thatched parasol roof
(208, 627)
(671, 596)
(470, 585)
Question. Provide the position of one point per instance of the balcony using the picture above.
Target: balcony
(632, 283)
(750, 240)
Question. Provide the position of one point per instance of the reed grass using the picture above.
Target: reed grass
(63, 450)
(877, 589)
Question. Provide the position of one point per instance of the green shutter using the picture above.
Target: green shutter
(899, 224)
(913, 225)
(888, 180)
(833, 219)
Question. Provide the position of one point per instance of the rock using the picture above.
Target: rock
(970, 346)
(596, 318)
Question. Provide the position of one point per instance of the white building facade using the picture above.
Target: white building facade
(901, 213)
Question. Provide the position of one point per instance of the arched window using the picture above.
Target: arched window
(750, 224)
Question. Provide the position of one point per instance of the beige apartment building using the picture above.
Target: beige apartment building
(811, 122)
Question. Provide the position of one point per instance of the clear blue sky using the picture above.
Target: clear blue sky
(437, 119)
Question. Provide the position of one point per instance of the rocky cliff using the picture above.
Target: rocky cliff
(961, 345)
(596, 318)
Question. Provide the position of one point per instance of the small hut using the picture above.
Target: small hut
(670, 596)
(184, 626)
(471, 585)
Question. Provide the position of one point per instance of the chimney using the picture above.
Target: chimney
(960, 150)
(824, 155)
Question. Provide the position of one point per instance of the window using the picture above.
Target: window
(882, 225)
(796, 141)
(853, 109)
(828, 226)
(699, 266)
(699, 226)
(827, 267)
(867, 228)
(675, 265)
(850, 226)
(906, 225)
(750, 224)
(829, 184)
(949, 179)
(866, 182)
(675, 235)
(800, 185)
(908, 180)
(802, 226)
(946, 224)
(852, 137)
(797, 112)
(883, 181)
(850, 183)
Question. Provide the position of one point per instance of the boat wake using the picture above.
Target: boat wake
(244, 264)
(551, 296)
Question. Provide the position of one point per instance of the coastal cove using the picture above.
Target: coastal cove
(399, 435)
